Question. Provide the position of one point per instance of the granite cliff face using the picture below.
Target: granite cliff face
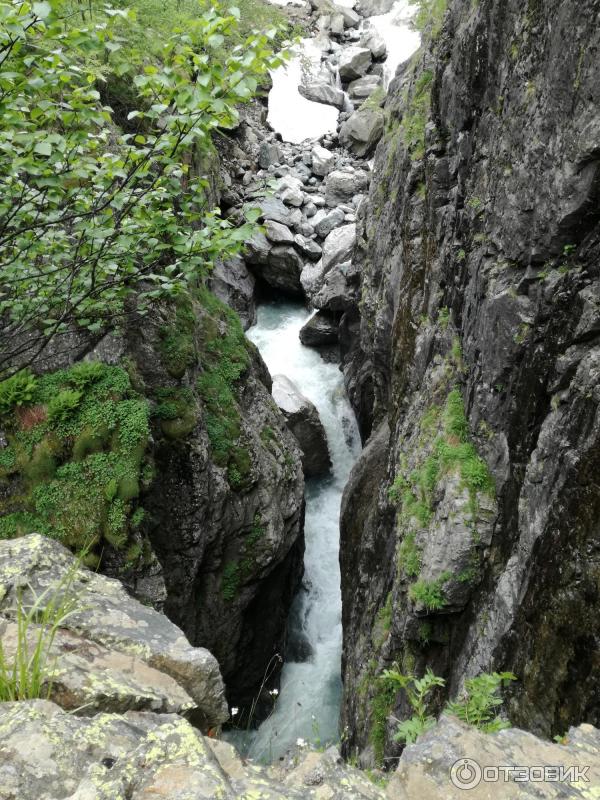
(470, 524)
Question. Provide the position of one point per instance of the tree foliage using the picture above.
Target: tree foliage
(89, 213)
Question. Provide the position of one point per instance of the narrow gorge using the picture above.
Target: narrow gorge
(300, 400)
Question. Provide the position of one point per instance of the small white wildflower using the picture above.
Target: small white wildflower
(274, 692)
(301, 742)
(234, 711)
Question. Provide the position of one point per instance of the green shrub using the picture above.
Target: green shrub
(382, 705)
(430, 593)
(409, 556)
(429, 16)
(230, 580)
(16, 391)
(481, 700)
(63, 405)
(416, 114)
(85, 373)
(418, 691)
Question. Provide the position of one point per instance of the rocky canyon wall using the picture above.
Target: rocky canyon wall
(470, 527)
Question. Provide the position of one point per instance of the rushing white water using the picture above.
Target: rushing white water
(309, 699)
(290, 114)
(400, 37)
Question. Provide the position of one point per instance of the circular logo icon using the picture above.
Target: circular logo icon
(466, 774)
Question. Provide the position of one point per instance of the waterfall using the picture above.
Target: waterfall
(308, 704)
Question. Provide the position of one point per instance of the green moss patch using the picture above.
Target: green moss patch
(224, 358)
(76, 449)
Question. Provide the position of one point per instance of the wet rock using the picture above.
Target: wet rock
(321, 329)
(342, 186)
(292, 197)
(303, 420)
(362, 130)
(257, 249)
(278, 233)
(269, 154)
(372, 8)
(281, 270)
(362, 88)
(111, 618)
(354, 62)
(325, 221)
(322, 160)
(339, 289)
(376, 44)
(350, 17)
(273, 208)
(320, 92)
(312, 277)
(338, 246)
(232, 283)
(308, 247)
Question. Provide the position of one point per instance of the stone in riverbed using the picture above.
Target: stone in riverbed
(281, 270)
(350, 17)
(308, 247)
(362, 130)
(269, 154)
(342, 186)
(320, 92)
(323, 160)
(338, 246)
(278, 233)
(376, 44)
(321, 329)
(303, 420)
(354, 62)
(326, 221)
(362, 88)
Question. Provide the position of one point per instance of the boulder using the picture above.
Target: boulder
(48, 754)
(326, 221)
(312, 277)
(362, 88)
(431, 763)
(233, 283)
(350, 17)
(320, 92)
(293, 197)
(281, 270)
(273, 208)
(354, 62)
(362, 130)
(321, 329)
(109, 617)
(278, 233)
(339, 290)
(338, 246)
(257, 249)
(373, 8)
(269, 154)
(376, 44)
(323, 160)
(308, 247)
(88, 676)
(304, 422)
(342, 186)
